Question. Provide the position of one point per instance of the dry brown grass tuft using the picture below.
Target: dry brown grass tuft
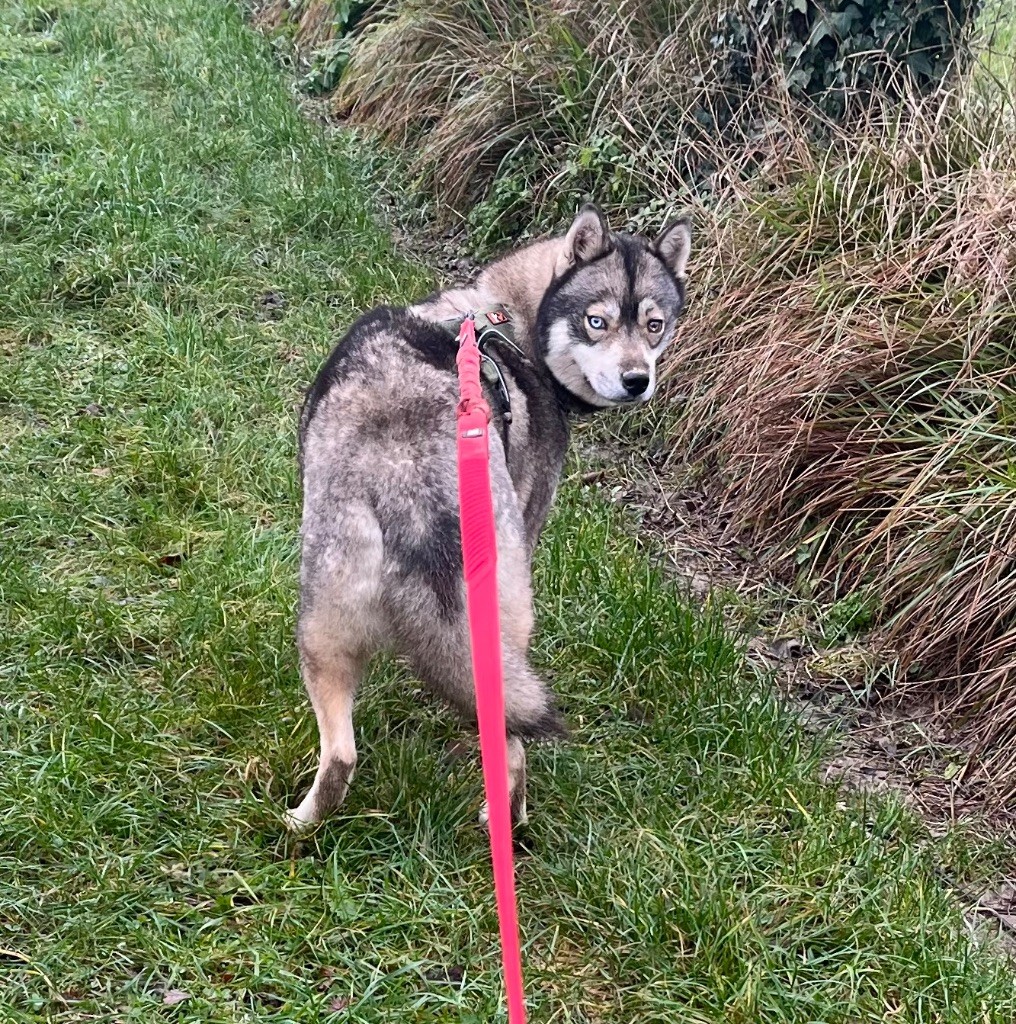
(851, 366)
(529, 108)
(563, 98)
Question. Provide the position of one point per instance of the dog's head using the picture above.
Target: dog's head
(611, 309)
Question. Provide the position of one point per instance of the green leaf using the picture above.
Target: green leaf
(920, 64)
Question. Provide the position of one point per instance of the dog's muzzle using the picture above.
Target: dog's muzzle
(635, 382)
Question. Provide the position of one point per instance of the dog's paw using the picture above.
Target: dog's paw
(520, 815)
(300, 820)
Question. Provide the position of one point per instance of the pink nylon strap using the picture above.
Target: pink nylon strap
(479, 557)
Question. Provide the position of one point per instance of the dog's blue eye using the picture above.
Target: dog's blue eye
(596, 322)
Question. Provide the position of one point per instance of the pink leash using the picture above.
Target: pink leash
(479, 556)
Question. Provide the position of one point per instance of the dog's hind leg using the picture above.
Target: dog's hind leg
(332, 678)
(340, 570)
(530, 712)
(516, 784)
(433, 634)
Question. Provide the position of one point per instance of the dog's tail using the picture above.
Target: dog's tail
(530, 709)
(547, 724)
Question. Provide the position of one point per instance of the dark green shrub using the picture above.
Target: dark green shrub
(839, 54)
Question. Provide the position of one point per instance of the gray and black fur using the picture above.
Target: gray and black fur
(381, 559)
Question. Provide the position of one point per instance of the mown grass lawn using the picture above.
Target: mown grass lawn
(178, 249)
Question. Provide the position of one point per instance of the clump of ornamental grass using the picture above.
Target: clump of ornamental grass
(850, 366)
(511, 113)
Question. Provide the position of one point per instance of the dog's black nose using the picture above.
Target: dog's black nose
(635, 382)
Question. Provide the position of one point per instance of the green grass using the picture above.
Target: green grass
(684, 864)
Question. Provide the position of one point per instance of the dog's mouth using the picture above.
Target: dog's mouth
(620, 396)
(607, 401)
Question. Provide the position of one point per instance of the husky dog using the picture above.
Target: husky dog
(566, 326)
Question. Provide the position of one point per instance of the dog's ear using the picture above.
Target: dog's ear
(588, 237)
(674, 244)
